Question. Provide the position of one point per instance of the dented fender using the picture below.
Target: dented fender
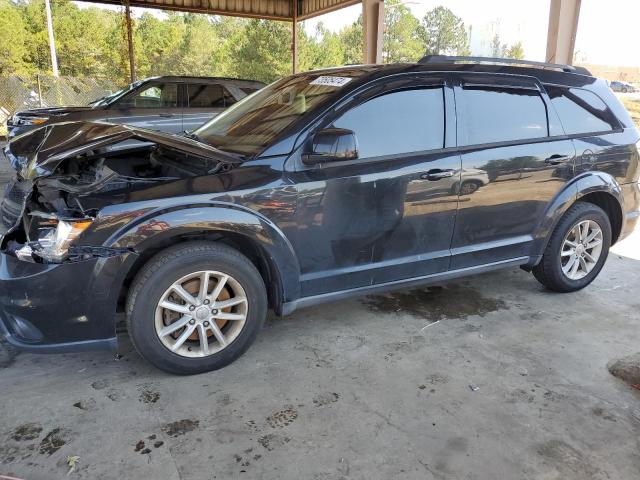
(153, 228)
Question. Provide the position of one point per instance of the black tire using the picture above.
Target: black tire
(549, 270)
(469, 186)
(167, 267)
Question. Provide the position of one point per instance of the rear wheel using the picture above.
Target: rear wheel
(469, 187)
(577, 249)
(195, 307)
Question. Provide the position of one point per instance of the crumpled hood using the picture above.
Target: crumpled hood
(37, 153)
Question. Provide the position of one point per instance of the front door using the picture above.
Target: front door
(155, 107)
(389, 215)
(515, 160)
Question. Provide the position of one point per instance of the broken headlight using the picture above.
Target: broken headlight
(53, 241)
(34, 120)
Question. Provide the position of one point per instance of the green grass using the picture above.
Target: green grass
(633, 106)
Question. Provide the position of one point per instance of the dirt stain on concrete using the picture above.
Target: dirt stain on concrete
(27, 431)
(568, 461)
(99, 384)
(181, 427)
(148, 395)
(323, 399)
(53, 441)
(272, 441)
(436, 303)
(87, 405)
(282, 418)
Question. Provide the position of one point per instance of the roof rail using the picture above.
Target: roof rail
(443, 59)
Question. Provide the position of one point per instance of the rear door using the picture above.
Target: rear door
(203, 102)
(155, 106)
(388, 215)
(515, 160)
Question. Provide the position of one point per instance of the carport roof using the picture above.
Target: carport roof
(268, 9)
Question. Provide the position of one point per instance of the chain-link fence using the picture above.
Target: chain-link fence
(17, 93)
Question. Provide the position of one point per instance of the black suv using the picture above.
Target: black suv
(169, 104)
(321, 186)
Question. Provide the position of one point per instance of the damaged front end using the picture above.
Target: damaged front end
(48, 205)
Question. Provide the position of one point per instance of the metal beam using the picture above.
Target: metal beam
(373, 26)
(563, 27)
(294, 37)
(132, 60)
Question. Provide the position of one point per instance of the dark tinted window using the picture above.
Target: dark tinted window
(581, 111)
(159, 95)
(399, 122)
(249, 91)
(503, 115)
(208, 96)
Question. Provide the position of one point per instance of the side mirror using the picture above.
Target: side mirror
(331, 145)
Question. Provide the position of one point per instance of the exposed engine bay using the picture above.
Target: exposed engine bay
(43, 213)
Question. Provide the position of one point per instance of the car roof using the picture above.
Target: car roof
(366, 73)
(184, 79)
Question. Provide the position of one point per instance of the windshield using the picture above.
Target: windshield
(252, 124)
(112, 97)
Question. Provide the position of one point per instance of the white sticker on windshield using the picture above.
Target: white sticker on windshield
(331, 81)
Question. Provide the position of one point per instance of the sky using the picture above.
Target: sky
(607, 31)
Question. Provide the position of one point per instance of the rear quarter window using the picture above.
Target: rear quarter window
(581, 111)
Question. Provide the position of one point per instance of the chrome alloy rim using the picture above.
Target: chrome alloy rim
(581, 249)
(201, 314)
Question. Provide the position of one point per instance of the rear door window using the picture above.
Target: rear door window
(581, 111)
(502, 114)
(208, 96)
(399, 122)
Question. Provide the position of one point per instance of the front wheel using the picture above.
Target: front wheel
(577, 249)
(195, 307)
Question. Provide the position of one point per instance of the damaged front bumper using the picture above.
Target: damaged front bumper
(62, 307)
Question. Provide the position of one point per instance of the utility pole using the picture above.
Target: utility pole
(52, 43)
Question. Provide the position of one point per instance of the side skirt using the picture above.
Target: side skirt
(70, 347)
(289, 307)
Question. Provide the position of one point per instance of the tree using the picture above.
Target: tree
(351, 38)
(14, 57)
(444, 33)
(265, 49)
(401, 41)
(324, 49)
(515, 51)
(498, 49)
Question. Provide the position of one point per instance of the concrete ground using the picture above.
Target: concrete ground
(489, 377)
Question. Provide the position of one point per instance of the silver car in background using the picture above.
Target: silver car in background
(169, 104)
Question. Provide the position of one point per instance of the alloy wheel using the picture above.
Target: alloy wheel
(201, 314)
(581, 249)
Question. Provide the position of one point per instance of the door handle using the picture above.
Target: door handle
(437, 174)
(557, 159)
(166, 115)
